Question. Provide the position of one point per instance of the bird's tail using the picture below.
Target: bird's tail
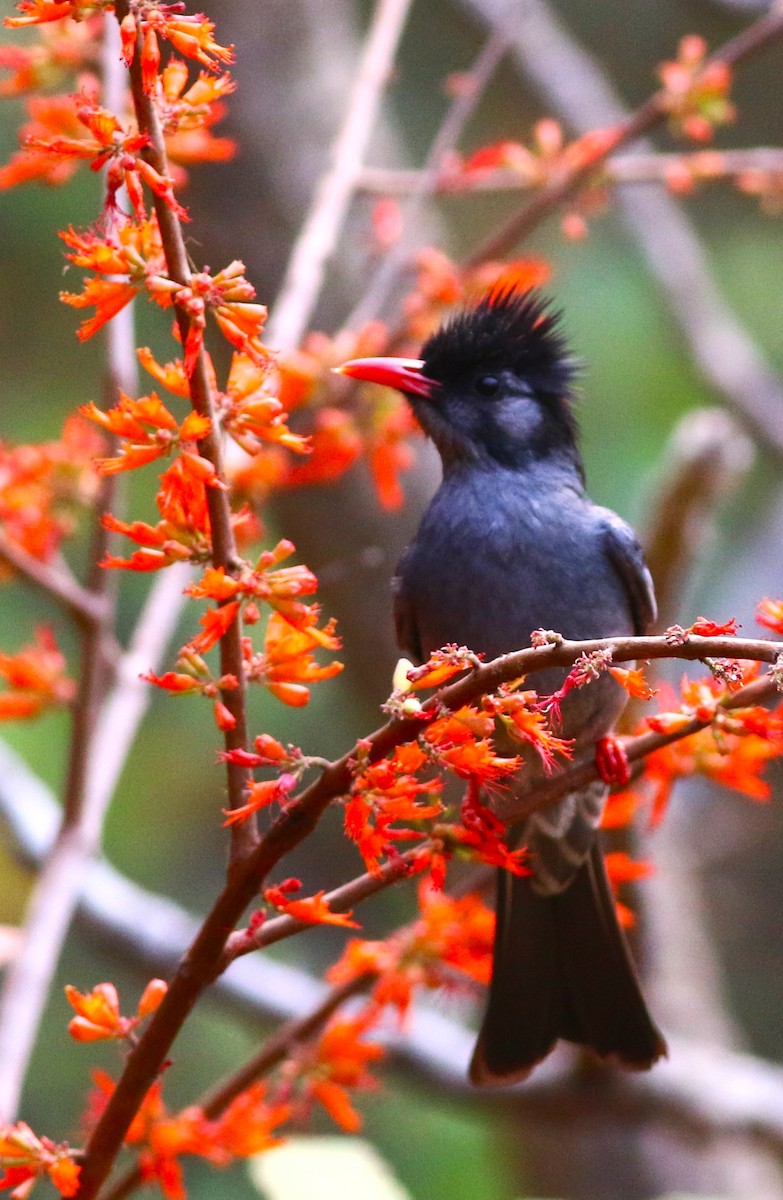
(562, 969)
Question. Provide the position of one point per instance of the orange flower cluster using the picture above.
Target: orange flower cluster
(36, 679)
(449, 938)
(131, 260)
(335, 1065)
(148, 431)
(37, 12)
(246, 1127)
(44, 486)
(98, 1016)
(188, 113)
(25, 1157)
(386, 792)
(191, 36)
(770, 614)
(77, 128)
(287, 666)
(733, 750)
(697, 93)
(61, 51)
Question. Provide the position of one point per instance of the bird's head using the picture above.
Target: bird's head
(493, 383)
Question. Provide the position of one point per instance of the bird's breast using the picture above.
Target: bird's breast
(493, 560)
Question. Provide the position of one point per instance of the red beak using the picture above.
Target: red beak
(404, 374)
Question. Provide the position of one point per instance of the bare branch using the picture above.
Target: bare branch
(425, 182)
(57, 582)
(321, 228)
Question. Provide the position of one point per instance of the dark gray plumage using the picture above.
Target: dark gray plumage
(511, 543)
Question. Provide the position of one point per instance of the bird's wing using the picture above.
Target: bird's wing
(408, 638)
(625, 554)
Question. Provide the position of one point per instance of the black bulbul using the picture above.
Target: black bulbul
(511, 543)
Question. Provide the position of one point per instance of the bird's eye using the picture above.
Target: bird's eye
(487, 385)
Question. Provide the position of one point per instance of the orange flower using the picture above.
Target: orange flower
(24, 1157)
(44, 486)
(34, 12)
(770, 614)
(247, 1125)
(190, 112)
(387, 792)
(215, 624)
(190, 35)
(228, 295)
(339, 1062)
(441, 666)
(93, 133)
(98, 1012)
(314, 910)
(134, 251)
(147, 428)
(287, 665)
(36, 679)
(634, 682)
(525, 723)
(261, 795)
(457, 932)
(704, 627)
(252, 412)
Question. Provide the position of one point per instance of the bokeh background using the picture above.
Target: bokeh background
(295, 62)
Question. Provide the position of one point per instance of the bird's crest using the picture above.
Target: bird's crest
(508, 328)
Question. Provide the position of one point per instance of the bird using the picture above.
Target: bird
(511, 543)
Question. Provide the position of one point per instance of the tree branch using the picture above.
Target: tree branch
(703, 166)
(85, 607)
(321, 228)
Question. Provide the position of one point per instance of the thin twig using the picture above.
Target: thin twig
(320, 230)
(85, 607)
(340, 900)
(425, 181)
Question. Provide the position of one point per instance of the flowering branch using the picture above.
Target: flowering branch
(653, 112)
(678, 171)
(224, 553)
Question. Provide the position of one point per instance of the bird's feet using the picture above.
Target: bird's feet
(612, 761)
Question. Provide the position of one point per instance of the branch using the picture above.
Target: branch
(705, 457)
(298, 820)
(655, 110)
(425, 182)
(321, 228)
(85, 607)
(699, 1086)
(702, 166)
(224, 553)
